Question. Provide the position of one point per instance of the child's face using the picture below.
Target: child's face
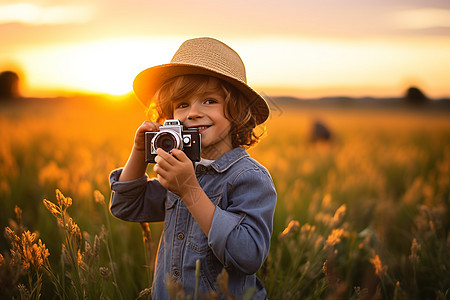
(206, 111)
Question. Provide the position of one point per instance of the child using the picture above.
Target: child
(219, 210)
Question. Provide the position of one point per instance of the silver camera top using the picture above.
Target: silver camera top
(171, 125)
(172, 122)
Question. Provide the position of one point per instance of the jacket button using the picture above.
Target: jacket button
(180, 236)
(176, 272)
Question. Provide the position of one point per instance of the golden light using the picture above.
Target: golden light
(107, 66)
(376, 67)
(367, 63)
(422, 18)
(29, 13)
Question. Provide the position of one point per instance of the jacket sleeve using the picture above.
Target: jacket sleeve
(240, 234)
(139, 200)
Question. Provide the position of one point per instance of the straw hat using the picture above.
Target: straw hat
(204, 56)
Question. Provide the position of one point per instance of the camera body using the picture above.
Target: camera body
(173, 135)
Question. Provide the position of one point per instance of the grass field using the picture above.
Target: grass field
(363, 216)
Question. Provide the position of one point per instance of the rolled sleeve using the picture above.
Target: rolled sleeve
(240, 234)
(139, 200)
(223, 223)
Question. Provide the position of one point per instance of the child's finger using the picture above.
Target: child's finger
(149, 126)
(180, 155)
(163, 163)
(160, 170)
(166, 156)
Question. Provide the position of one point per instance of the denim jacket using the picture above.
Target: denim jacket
(239, 239)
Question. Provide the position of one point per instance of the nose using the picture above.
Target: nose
(195, 111)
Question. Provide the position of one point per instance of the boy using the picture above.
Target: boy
(219, 210)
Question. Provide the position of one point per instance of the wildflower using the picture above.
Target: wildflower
(290, 229)
(99, 198)
(326, 201)
(86, 236)
(104, 233)
(324, 218)
(106, 273)
(81, 261)
(11, 236)
(25, 251)
(174, 288)
(324, 267)
(307, 228)
(58, 211)
(338, 215)
(380, 270)
(318, 242)
(415, 248)
(222, 280)
(55, 210)
(96, 250)
(145, 292)
(328, 270)
(18, 213)
(87, 256)
(334, 238)
(63, 202)
(74, 232)
(24, 292)
(38, 254)
(65, 256)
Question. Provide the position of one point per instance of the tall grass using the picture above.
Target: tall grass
(365, 215)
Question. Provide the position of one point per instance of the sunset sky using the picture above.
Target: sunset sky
(290, 47)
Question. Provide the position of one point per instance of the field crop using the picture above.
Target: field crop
(364, 215)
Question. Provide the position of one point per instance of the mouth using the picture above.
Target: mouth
(201, 128)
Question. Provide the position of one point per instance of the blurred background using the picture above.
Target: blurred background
(358, 142)
(295, 48)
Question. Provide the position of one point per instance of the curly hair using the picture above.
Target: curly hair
(236, 107)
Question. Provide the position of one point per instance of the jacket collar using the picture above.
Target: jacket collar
(224, 162)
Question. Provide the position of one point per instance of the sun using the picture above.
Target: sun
(107, 67)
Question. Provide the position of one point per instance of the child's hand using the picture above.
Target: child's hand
(176, 172)
(139, 139)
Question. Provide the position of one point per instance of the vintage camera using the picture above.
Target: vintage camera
(173, 135)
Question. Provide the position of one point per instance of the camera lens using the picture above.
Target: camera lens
(166, 141)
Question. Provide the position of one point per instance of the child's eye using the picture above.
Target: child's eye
(181, 105)
(210, 101)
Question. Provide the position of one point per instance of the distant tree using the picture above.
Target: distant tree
(320, 132)
(415, 96)
(9, 85)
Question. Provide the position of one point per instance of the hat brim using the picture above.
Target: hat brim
(148, 81)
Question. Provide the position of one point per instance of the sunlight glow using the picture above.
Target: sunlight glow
(422, 18)
(319, 63)
(32, 14)
(110, 66)
(107, 66)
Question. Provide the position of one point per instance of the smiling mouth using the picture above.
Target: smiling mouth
(202, 128)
